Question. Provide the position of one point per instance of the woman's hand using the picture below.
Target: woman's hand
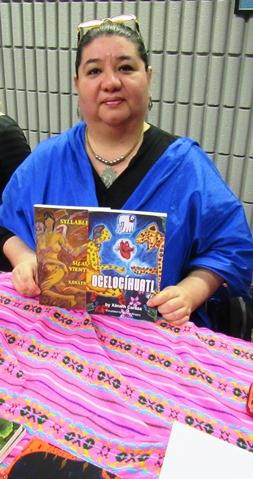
(25, 268)
(25, 276)
(176, 303)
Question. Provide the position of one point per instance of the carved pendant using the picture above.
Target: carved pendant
(108, 176)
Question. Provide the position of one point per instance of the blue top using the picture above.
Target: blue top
(206, 225)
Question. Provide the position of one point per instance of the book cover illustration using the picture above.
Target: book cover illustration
(11, 433)
(124, 262)
(61, 246)
(41, 460)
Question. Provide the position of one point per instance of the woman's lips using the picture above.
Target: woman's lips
(113, 101)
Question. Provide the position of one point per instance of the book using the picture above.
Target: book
(41, 460)
(103, 260)
(61, 248)
(11, 433)
(124, 262)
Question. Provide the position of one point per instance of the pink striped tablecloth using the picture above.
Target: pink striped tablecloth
(109, 389)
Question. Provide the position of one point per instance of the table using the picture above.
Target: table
(109, 389)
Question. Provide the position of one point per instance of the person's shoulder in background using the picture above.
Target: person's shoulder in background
(14, 148)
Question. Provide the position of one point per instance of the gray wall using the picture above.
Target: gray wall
(201, 52)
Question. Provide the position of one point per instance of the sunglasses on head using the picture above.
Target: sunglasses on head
(120, 19)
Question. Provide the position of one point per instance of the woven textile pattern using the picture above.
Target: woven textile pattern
(109, 389)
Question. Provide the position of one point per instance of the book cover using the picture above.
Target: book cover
(99, 259)
(41, 460)
(61, 248)
(11, 433)
(124, 262)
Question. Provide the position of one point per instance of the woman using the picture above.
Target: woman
(52, 247)
(117, 159)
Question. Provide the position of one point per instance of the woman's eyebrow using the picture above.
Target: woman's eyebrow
(93, 60)
(125, 57)
(119, 58)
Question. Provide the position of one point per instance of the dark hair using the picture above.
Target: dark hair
(112, 29)
(50, 215)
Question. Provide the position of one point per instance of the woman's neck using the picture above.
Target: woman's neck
(114, 143)
(119, 138)
(110, 156)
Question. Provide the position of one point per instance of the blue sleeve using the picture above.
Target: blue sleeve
(222, 240)
(16, 213)
(57, 172)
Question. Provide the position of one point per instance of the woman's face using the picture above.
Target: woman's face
(112, 83)
(49, 222)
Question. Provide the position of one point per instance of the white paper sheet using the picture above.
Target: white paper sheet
(194, 454)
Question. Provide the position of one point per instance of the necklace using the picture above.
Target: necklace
(108, 176)
(110, 162)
